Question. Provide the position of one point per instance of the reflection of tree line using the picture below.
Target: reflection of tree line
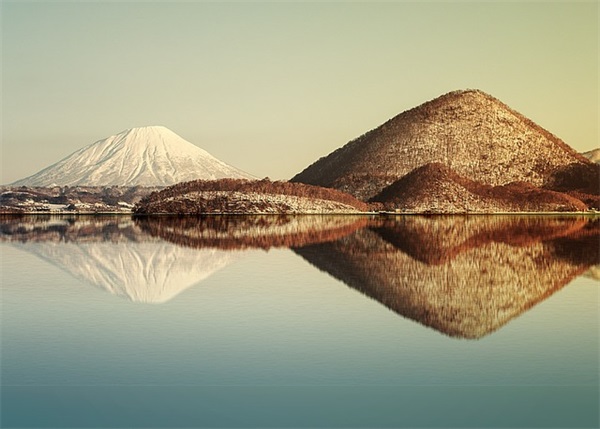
(241, 232)
(69, 228)
(463, 276)
(223, 232)
(430, 239)
(440, 239)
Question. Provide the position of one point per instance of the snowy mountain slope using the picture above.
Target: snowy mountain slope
(144, 156)
(593, 155)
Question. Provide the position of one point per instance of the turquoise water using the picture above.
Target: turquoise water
(96, 333)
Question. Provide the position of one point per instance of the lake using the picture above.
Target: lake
(300, 321)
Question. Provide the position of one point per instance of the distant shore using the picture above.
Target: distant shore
(121, 213)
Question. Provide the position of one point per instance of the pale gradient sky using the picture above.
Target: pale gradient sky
(270, 87)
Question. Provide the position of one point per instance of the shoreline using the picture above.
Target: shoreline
(381, 213)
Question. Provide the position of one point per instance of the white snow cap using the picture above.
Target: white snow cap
(141, 156)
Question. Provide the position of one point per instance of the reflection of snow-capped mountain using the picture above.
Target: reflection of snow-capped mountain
(143, 156)
(113, 254)
(149, 272)
(593, 273)
(144, 260)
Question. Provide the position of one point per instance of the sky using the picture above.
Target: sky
(270, 87)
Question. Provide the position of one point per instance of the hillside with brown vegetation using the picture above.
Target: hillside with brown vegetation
(470, 132)
(435, 188)
(231, 196)
(464, 276)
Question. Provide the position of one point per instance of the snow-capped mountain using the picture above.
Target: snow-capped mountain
(143, 156)
(593, 155)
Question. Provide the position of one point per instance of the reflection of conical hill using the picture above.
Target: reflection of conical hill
(496, 271)
(241, 232)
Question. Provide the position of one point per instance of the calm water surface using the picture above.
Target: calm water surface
(303, 321)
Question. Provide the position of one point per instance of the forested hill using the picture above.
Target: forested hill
(239, 196)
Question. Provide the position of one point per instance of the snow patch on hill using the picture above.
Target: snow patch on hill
(593, 155)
